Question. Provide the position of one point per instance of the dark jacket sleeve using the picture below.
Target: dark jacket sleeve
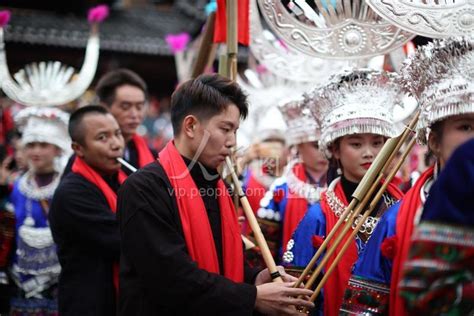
(80, 209)
(153, 244)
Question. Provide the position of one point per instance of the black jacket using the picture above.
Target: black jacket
(157, 275)
(87, 236)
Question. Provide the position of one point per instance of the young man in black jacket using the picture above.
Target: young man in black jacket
(181, 249)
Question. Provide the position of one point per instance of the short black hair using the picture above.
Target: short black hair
(108, 84)
(206, 96)
(76, 132)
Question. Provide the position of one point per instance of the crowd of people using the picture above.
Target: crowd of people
(95, 222)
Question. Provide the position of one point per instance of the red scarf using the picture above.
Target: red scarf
(404, 230)
(195, 222)
(337, 282)
(80, 167)
(257, 192)
(144, 153)
(296, 207)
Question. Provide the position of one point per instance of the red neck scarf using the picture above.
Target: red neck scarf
(80, 167)
(404, 230)
(144, 153)
(337, 282)
(195, 222)
(296, 206)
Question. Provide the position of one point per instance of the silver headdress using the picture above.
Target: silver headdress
(44, 125)
(271, 126)
(287, 62)
(441, 75)
(52, 83)
(436, 19)
(338, 29)
(302, 127)
(357, 101)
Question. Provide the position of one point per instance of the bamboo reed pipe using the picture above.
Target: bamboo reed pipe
(261, 242)
(232, 39)
(357, 203)
(362, 194)
(364, 217)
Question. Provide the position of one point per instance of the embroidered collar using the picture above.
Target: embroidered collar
(338, 208)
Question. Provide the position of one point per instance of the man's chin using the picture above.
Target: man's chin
(213, 164)
(128, 133)
(109, 171)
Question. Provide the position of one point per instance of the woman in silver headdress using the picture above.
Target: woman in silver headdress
(355, 112)
(302, 181)
(35, 267)
(440, 76)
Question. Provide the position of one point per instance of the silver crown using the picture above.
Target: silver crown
(428, 18)
(302, 127)
(44, 124)
(49, 83)
(337, 29)
(354, 102)
(441, 75)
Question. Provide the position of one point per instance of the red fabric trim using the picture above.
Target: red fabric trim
(80, 167)
(337, 282)
(144, 154)
(254, 187)
(296, 207)
(335, 286)
(195, 222)
(220, 29)
(317, 241)
(404, 231)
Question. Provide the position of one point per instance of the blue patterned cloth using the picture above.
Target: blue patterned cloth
(302, 250)
(372, 265)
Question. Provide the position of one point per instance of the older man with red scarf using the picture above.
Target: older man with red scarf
(82, 216)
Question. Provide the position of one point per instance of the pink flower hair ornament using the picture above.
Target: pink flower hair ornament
(98, 14)
(4, 17)
(177, 42)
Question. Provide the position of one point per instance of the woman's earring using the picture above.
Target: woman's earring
(338, 170)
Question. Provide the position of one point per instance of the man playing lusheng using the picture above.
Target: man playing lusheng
(182, 253)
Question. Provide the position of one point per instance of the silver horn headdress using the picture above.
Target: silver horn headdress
(52, 83)
(441, 76)
(338, 29)
(436, 19)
